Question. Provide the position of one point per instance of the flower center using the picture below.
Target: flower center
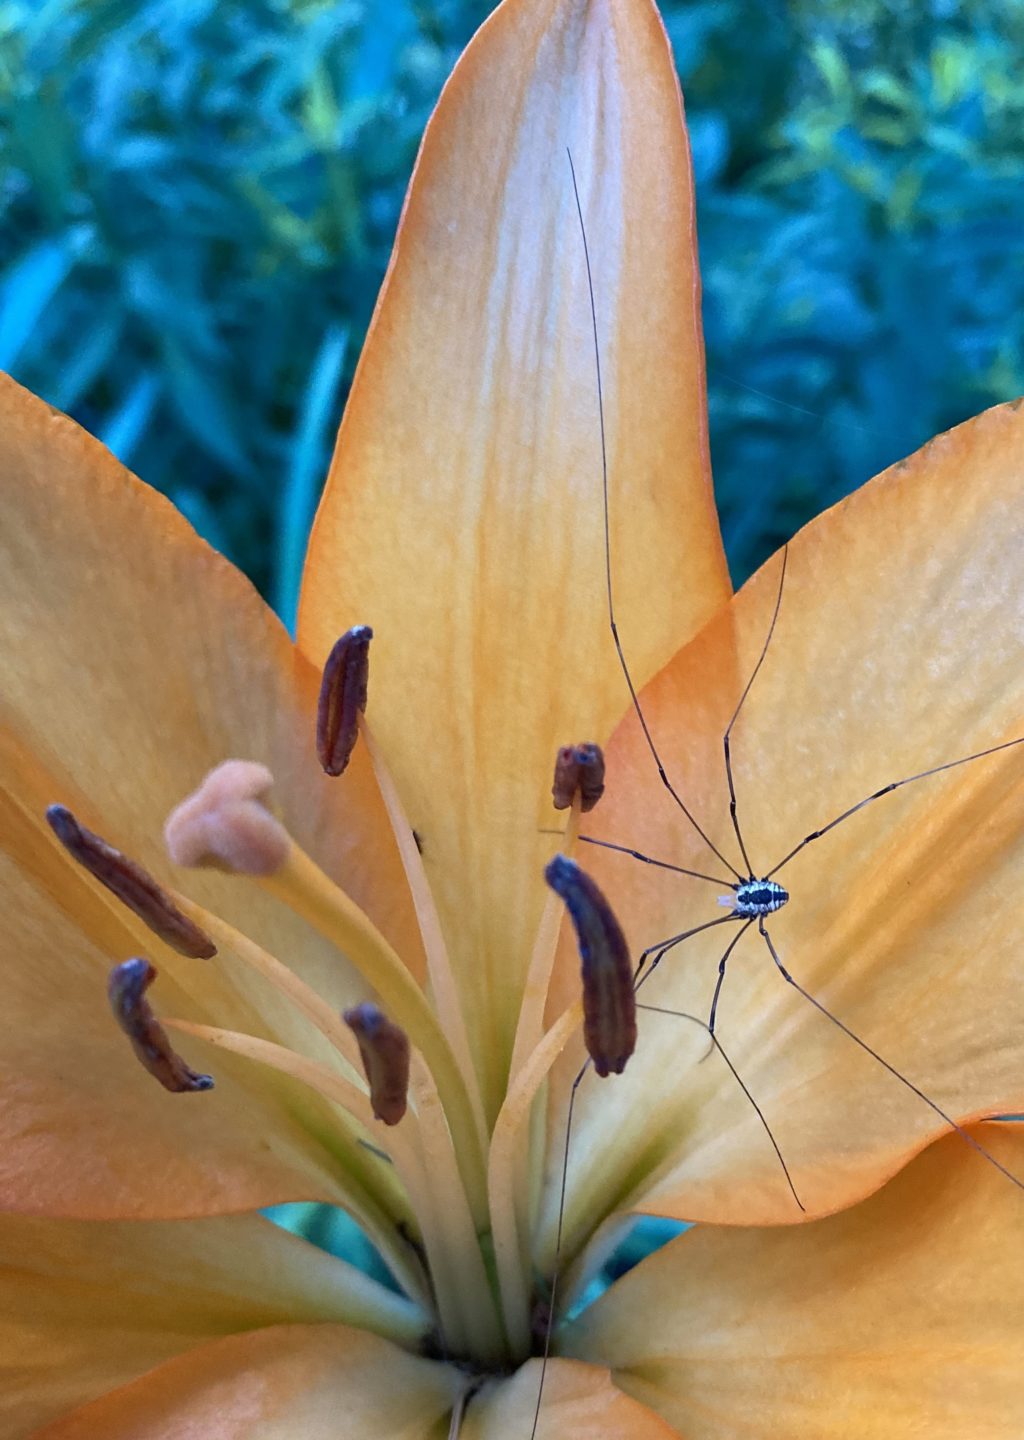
(435, 1151)
(450, 1202)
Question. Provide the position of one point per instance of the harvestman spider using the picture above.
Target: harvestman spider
(753, 897)
(756, 897)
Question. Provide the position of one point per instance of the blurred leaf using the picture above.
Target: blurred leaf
(880, 85)
(375, 63)
(309, 454)
(126, 425)
(830, 62)
(28, 287)
(237, 170)
(90, 360)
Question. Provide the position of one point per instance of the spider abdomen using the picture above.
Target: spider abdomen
(759, 897)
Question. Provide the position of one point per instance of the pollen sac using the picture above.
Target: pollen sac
(132, 885)
(609, 1004)
(384, 1048)
(343, 698)
(126, 989)
(226, 825)
(578, 767)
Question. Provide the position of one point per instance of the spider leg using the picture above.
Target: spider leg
(965, 1135)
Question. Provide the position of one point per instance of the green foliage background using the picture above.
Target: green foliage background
(199, 198)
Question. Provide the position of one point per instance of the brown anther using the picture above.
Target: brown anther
(384, 1047)
(132, 885)
(609, 1003)
(126, 989)
(578, 767)
(343, 698)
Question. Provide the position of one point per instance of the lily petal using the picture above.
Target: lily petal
(898, 647)
(290, 1382)
(137, 658)
(901, 1317)
(86, 1308)
(463, 515)
(581, 1402)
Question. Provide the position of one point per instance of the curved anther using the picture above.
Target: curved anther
(609, 1003)
(384, 1047)
(126, 989)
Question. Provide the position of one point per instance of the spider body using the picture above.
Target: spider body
(757, 897)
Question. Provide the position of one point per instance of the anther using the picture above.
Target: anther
(225, 823)
(343, 698)
(126, 989)
(609, 1004)
(132, 885)
(578, 767)
(384, 1047)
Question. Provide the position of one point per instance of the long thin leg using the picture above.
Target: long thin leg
(550, 1322)
(948, 1119)
(608, 551)
(721, 975)
(887, 790)
(639, 978)
(727, 737)
(717, 1045)
(649, 860)
(663, 946)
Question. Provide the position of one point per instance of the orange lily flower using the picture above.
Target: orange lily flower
(463, 520)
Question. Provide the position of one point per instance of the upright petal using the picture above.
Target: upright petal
(899, 646)
(899, 1318)
(134, 659)
(463, 516)
(87, 1307)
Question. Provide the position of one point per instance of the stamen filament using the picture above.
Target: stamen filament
(464, 1298)
(339, 1091)
(463, 1398)
(442, 978)
(308, 1072)
(305, 999)
(382, 1227)
(506, 1172)
(441, 1207)
(303, 886)
(530, 1026)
